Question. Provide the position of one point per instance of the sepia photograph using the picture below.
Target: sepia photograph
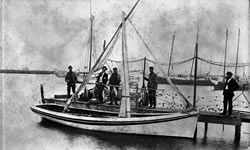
(125, 74)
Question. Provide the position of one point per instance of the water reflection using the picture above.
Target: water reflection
(125, 141)
(26, 130)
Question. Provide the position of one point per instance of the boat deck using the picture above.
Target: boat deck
(236, 119)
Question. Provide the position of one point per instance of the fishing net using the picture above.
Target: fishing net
(138, 68)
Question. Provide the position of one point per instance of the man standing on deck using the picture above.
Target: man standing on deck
(71, 79)
(230, 86)
(152, 87)
(114, 82)
(101, 81)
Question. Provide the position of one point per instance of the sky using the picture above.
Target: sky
(52, 34)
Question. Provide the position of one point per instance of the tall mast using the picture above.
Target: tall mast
(225, 57)
(210, 63)
(125, 102)
(237, 52)
(143, 73)
(195, 73)
(171, 53)
(196, 41)
(196, 63)
(91, 36)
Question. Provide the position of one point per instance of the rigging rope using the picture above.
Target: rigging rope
(222, 64)
(185, 61)
(188, 104)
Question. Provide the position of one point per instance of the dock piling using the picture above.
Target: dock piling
(42, 93)
(237, 132)
(206, 127)
(195, 133)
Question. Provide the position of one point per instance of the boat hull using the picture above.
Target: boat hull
(172, 124)
(199, 82)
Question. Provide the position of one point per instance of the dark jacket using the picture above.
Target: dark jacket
(152, 81)
(70, 78)
(104, 79)
(232, 86)
(114, 79)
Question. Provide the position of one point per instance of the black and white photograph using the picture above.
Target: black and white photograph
(125, 75)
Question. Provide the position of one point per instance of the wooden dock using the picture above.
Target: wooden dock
(235, 119)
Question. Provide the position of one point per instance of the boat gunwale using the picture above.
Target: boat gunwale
(113, 120)
(111, 112)
(159, 110)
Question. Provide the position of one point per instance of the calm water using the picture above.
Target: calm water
(23, 130)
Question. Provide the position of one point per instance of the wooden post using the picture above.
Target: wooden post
(136, 98)
(195, 133)
(206, 127)
(42, 93)
(237, 132)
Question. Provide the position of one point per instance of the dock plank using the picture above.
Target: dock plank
(210, 117)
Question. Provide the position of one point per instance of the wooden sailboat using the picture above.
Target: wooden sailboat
(171, 124)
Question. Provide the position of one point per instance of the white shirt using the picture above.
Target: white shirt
(100, 79)
(227, 83)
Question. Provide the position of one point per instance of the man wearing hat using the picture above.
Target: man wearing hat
(71, 79)
(114, 82)
(230, 86)
(101, 81)
(152, 86)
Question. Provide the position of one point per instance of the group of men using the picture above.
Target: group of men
(114, 81)
(101, 82)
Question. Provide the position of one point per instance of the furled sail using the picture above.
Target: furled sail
(125, 101)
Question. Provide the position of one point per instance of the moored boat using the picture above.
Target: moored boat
(186, 81)
(176, 124)
(172, 124)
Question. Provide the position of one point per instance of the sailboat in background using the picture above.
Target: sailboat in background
(243, 83)
(90, 55)
(167, 124)
(184, 79)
